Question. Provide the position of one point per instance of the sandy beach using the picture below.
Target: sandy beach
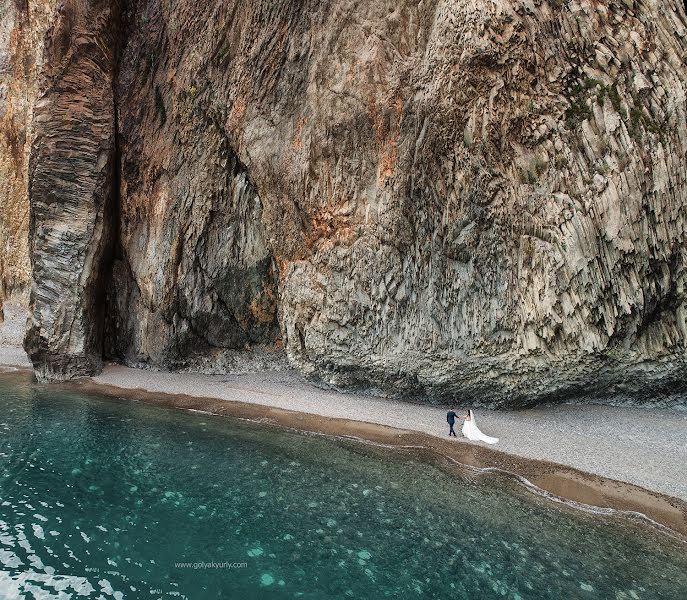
(640, 446)
(552, 446)
(11, 335)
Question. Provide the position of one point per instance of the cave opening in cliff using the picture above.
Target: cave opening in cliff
(113, 262)
(109, 336)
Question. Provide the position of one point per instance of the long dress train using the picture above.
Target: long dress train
(472, 432)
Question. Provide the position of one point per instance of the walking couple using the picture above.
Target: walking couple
(470, 429)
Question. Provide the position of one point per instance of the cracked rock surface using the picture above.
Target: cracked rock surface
(71, 190)
(22, 30)
(426, 199)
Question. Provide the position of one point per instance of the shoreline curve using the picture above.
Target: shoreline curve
(559, 483)
(575, 487)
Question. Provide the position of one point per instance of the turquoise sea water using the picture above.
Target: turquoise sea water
(116, 499)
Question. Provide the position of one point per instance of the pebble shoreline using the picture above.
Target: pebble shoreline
(645, 447)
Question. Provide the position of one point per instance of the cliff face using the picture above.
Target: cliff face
(22, 28)
(72, 191)
(194, 278)
(446, 197)
(12, 119)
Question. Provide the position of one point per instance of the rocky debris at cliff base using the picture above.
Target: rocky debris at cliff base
(513, 381)
(223, 361)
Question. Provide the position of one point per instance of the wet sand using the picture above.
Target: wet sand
(265, 398)
(645, 447)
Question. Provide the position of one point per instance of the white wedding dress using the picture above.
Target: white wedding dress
(472, 432)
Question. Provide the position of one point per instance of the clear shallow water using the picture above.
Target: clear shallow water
(105, 498)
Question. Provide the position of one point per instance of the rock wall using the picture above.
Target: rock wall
(22, 28)
(194, 277)
(72, 191)
(451, 197)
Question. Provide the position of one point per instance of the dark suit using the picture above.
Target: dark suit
(451, 420)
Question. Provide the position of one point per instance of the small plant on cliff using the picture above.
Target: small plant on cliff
(560, 161)
(528, 250)
(527, 175)
(533, 170)
(601, 167)
(538, 165)
(582, 91)
(576, 113)
(614, 97)
(639, 119)
(578, 94)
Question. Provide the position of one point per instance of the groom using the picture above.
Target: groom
(451, 417)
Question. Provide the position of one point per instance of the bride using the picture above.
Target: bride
(471, 431)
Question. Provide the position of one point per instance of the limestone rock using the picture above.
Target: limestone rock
(431, 199)
(72, 191)
(22, 28)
